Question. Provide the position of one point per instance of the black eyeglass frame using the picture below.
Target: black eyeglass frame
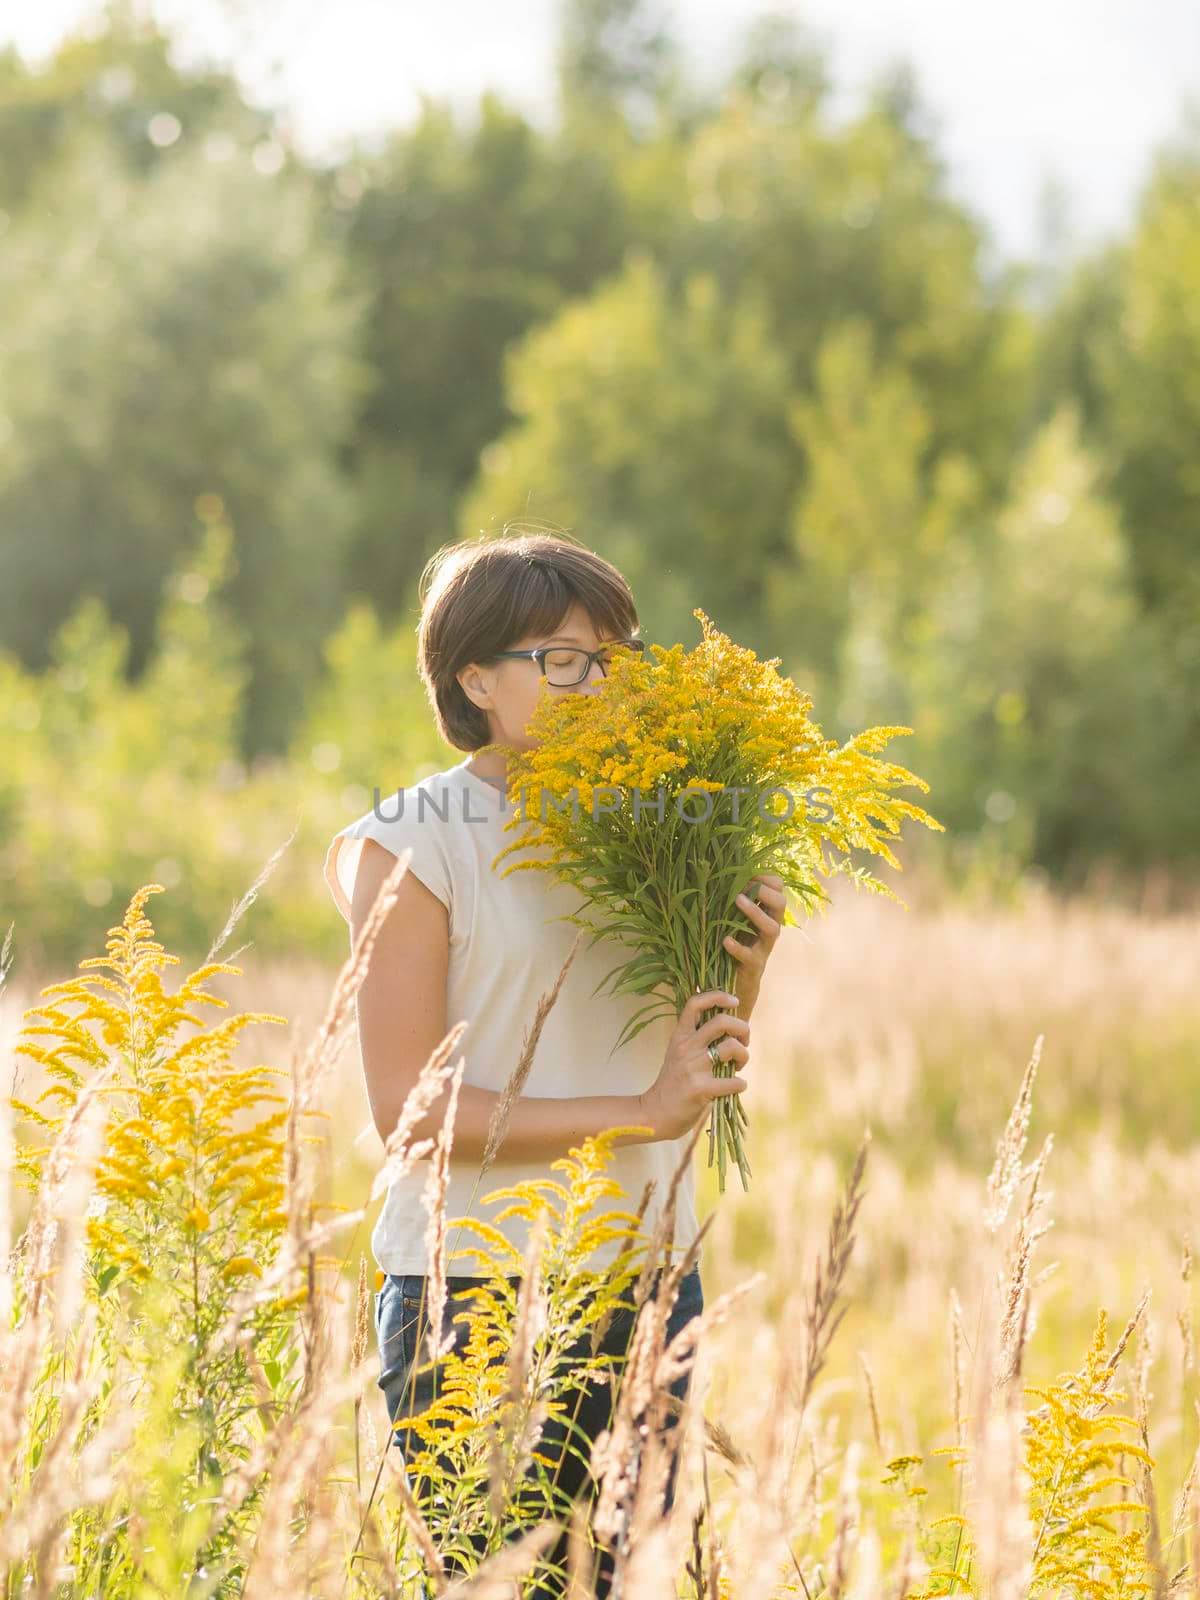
(543, 650)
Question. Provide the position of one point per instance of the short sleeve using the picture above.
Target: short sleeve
(415, 828)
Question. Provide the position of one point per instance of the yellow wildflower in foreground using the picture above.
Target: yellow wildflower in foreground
(662, 794)
(201, 1306)
(190, 1178)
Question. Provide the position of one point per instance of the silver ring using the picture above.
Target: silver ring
(713, 1056)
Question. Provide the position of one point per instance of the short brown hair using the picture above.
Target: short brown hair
(483, 594)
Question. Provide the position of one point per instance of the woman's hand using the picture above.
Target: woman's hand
(686, 1082)
(767, 916)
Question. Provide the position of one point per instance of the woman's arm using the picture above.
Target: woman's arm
(402, 1020)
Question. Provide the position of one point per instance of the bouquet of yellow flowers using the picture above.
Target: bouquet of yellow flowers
(662, 793)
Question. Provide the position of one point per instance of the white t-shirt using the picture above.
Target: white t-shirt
(506, 951)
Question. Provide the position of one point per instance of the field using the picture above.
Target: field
(296, 440)
(920, 1028)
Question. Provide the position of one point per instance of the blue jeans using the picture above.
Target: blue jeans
(399, 1304)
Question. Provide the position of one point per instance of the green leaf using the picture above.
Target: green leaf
(633, 1027)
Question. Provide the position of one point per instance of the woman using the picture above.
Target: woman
(501, 618)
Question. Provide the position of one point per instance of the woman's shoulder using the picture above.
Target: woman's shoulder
(417, 817)
(429, 800)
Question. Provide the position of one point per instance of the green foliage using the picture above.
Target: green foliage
(1043, 697)
(1153, 391)
(833, 222)
(106, 86)
(873, 525)
(465, 235)
(368, 721)
(757, 354)
(110, 784)
(657, 423)
(614, 56)
(148, 385)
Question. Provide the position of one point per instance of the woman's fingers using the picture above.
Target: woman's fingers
(770, 882)
(695, 1003)
(759, 915)
(716, 1027)
(734, 1085)
(764, 893)
(731, 1050)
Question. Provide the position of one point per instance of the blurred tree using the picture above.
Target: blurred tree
(466, 238)
(161, 363)
(1074, 340)
(614, 56)
(1151, 371)
(655, 426)
(781, 67)
(827, 222)
(1124, 341)
(1042, 700)
(192, 694)
(755, 352)
(114, 782)
(368, 722)
(871, 528)
(117, 81)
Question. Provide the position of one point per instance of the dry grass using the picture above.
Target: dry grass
(858, 1320)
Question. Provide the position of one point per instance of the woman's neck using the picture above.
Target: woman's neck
(491, 768)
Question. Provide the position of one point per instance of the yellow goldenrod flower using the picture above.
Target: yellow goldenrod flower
(239, 1265)
(176, 1105)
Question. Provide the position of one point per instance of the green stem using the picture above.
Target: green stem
(727, 1115)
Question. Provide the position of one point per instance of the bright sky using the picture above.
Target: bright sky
(1078, 90)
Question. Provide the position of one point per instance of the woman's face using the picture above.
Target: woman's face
(508, 690)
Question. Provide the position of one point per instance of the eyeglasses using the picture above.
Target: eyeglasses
(563, 666)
